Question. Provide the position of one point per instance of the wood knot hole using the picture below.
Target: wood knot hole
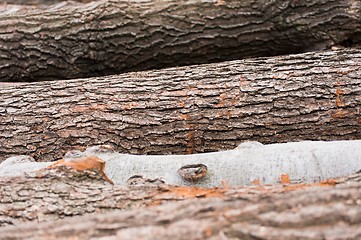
(193, 172)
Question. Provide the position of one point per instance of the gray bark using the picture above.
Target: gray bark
(313, 96)
(329, 210)
(112, 36)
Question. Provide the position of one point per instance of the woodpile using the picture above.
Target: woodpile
(269, 71)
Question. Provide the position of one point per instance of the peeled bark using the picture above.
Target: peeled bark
(250, 162)
(113, 36)
(313, 96)
(320, 211)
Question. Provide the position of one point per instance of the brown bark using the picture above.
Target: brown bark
(313, 96)
(36, 3)
(59, 193)
(330, 210)
(112, 36)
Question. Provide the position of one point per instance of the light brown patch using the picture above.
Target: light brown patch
(243, 81)
(208, 232)
(228, 100)
(339, 91)
(339, 102)
(190, 141)
(256, 182)
(219, 2)
(70, 133)
(339, 113)
(83, 163)
(222, 100)
(285, 179)
(181, 104)
(328, 182)
(339, 99)
(190, 135)
(293, 187)
(195, 192)
(129, 106)
(340, 83)
(185, 117)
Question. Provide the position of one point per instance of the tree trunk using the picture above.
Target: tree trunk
(113, 36)
(318, 211)
(313, 96)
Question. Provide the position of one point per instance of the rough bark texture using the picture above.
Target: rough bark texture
(58, 193)
(112, 36)
(313, 96)
(325, 211)
(37, 3)
(24, 7)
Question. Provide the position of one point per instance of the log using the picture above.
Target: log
(329, 210)
(113, 36)
(192, 109)
(250, 163)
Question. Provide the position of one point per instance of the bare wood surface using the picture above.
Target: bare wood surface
(250, 162)
(326, 210)
(313, 96)
(112, 36)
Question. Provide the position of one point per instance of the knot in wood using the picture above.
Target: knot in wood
(193, 172)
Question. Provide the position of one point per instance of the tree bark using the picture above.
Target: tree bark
(320, 211)
(113, 36)
(313, 96)
(58, 193)
(37, 3)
